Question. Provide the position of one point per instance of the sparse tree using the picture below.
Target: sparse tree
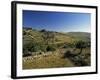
(80, 45)
(43, 30)
(48, 36)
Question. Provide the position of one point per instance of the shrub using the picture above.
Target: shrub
(26, 53)
(43, 48)
(50, 48)
(35, 48)
(80, 45)
(31, 47)
(43, 30)
(68, 54)
(24, 32)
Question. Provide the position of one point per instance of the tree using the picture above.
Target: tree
(50, 48)
(49, 37)
(43, 30)
(24, 32)
(26, 52)
(80, 45)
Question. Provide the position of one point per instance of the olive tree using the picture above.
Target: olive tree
(80, 45)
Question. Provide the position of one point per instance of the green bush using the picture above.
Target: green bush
(31, 47)
(80, 45)
(26, 53)
(50, 48)
(24, 32)
(34, 48)
(43, 48)
(38, 47)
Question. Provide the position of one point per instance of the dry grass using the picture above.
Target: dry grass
(53, 60)
(50, 61)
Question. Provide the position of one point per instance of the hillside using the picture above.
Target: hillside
(53, 37)
(49, 49)
(80, 35)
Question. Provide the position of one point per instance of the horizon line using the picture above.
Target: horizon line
(56, 31)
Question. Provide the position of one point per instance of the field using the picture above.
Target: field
(48, 49)
(50, 61)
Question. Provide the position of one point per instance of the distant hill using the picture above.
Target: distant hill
(85, 36)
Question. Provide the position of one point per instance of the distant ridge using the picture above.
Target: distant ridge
(79, 34)
(27, 28)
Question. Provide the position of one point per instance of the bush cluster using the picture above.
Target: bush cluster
(50, 48)
(36, 47)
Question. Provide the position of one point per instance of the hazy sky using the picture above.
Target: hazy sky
(57, 21)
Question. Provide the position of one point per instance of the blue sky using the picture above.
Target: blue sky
(57, 21)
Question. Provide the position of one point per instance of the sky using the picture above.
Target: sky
(57, 21)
